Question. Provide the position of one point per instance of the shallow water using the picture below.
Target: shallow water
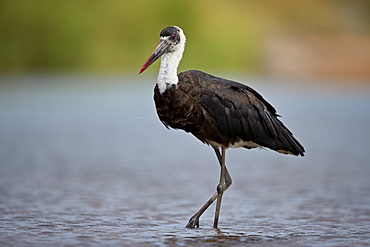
(85, 162)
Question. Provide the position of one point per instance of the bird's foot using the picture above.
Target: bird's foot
(193, 222)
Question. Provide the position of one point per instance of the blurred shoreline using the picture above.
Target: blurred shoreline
(314, 39)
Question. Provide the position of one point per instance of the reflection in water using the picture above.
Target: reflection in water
(83, 163)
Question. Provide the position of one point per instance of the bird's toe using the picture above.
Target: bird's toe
(193, 222)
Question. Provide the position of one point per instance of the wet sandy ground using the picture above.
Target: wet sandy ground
(85, 162)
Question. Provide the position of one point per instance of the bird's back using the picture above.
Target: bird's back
(225, 113)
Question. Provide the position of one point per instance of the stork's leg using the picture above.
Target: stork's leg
(225, 182)
(194, 220)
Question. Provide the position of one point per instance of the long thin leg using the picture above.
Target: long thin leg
(228, 179)
(222, 186)
(194, 220)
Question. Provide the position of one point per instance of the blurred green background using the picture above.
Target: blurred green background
(306, 38)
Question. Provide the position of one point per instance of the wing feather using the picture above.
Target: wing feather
(242, 115)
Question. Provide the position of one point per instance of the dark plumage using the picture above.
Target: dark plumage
(219, 112)
(224, 112)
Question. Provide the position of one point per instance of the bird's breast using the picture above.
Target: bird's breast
(178, 107)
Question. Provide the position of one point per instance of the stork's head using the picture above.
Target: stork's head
(172, 42)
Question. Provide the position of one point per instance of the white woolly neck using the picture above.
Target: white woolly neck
(170, 61)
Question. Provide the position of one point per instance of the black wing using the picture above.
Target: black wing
(242, 114)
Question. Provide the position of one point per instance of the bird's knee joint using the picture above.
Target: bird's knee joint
(228, 183)
(221, 187)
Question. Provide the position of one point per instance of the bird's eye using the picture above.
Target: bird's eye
(173, 36)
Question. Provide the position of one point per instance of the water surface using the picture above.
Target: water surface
(84, 161)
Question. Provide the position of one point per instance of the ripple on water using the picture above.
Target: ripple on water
(81, 167)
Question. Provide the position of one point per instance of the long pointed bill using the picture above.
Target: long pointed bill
(157, 53)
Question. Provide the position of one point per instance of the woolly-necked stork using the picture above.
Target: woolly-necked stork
(219, 112)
